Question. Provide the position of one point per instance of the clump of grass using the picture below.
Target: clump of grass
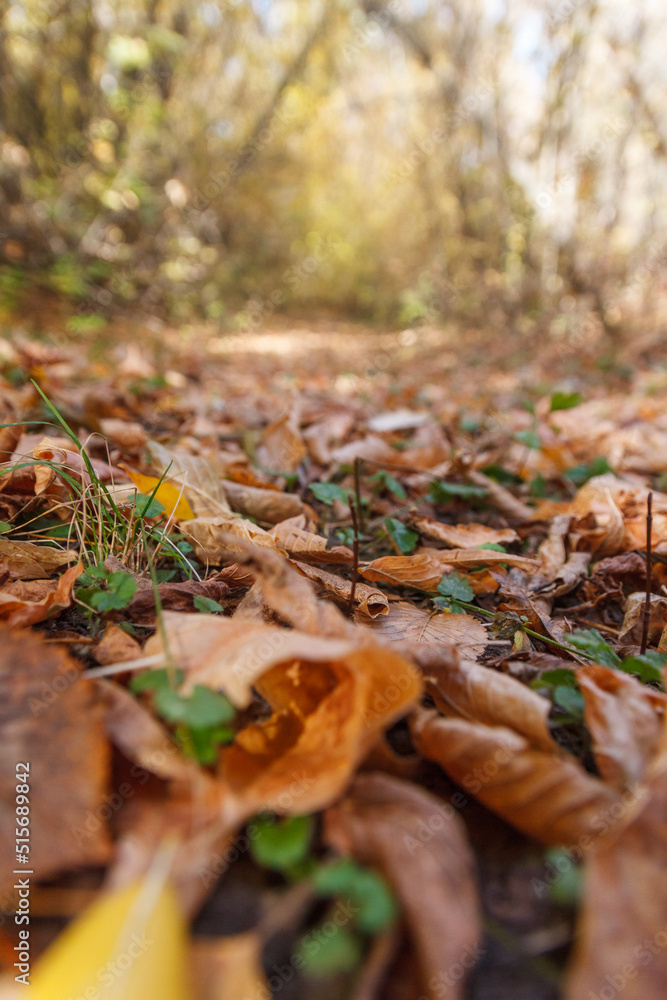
(135, 533)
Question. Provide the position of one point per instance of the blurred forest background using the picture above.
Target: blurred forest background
(402, 162)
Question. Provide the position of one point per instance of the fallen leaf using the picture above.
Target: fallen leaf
(171, 497)
(633, 620)
(425, 568)
(477, 693)
(419, 844)
(116, 646)
(548, 796)
(306, 546)
(281, 448)
(405, 622)
(266, 506)
(622, 716)
(462, 536)
(130, 943)
(20, 613)
(368, 601)
(54, 743)
(26, 561)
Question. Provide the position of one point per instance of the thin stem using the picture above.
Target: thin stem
(649, 554)
(355, 552)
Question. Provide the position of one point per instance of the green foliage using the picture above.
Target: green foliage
(564, 401)
(404, 537)
(207, 605)
(563, 687)
(389, 482)
(105, 591)
(327, 493)
(203, 719)
(365, 888)
(456, 586)
(86, 323)
(649, 666)
(580, 474)
(442, 492)
(591, 643)
(282, 844)
(530, 438)
(330, 952)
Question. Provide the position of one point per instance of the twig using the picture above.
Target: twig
(647, 603)
(357, 492)
(355, 553)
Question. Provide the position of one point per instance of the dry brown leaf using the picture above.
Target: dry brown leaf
(129, 435)
(291, 538)
(419, 844)
(20, 613)
(633, 621)
(267, 506)
(479, 694)
(548, 796)
(229, 968)
(116, 646)
(26, 561)
(599, 497)
(211, 536)
(329, 698)
(623, 925)
(199, 477)
(53, 741)
(281, 448)
(405, 622)
(289, 595)
(624, 719)
(319, 437)
(426, 567)
(462, 536)
(501, 498)
(368, 601)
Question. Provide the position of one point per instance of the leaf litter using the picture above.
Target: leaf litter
(349, 659)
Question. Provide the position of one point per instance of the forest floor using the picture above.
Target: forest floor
(389, 585)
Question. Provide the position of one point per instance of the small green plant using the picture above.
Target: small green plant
(202, 720)
(327, 493)
(580, 474)
(563, 688)
(564, 401)
(103, 591)
(443, 492)
(453, 588)
(282, 845)
(405, 539)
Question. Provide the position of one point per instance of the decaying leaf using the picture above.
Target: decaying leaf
(419, 844)
(462, 536)
(21, 611)
(546, 795)
(477, 693)
(624, 719)
(369, 601)
(425, 568)
(52, 742)
(306, 546)
(266, 506)
(405, 622)
(623, 926)
(26, 561)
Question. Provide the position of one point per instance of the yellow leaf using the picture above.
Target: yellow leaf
(129, 945)
(171, 497)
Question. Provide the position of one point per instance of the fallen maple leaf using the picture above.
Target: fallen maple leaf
(20, 612)
(26, 561)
